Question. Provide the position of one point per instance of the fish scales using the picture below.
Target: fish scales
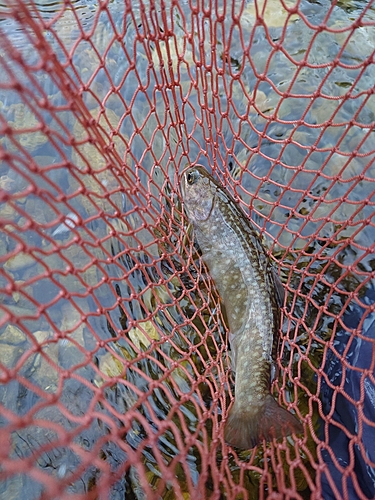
(251, 294)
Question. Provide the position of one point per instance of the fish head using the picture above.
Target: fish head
(198, 191)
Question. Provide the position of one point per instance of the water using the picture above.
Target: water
(113, 87)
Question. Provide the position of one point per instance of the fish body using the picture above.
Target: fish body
(251, 294)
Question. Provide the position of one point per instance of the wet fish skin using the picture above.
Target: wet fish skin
(251, 294)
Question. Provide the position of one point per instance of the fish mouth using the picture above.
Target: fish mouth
(182, 180)
(198, 213)
(182, 183)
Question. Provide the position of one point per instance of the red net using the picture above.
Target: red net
(114, 356)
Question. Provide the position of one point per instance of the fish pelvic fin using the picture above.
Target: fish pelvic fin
(246, 429)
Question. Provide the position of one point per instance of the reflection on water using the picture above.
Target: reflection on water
(104, 314)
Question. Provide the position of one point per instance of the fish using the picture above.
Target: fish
(252, 295)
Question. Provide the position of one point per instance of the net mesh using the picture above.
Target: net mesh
(114, 357)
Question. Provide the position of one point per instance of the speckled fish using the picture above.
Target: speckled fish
(251, 292)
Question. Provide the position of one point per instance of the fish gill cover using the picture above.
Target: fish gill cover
(116, 370)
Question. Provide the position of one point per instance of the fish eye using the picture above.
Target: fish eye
(191, 177)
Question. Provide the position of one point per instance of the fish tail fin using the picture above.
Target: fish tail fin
(245, 429)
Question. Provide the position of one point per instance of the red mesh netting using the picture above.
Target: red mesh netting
(114, 356)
